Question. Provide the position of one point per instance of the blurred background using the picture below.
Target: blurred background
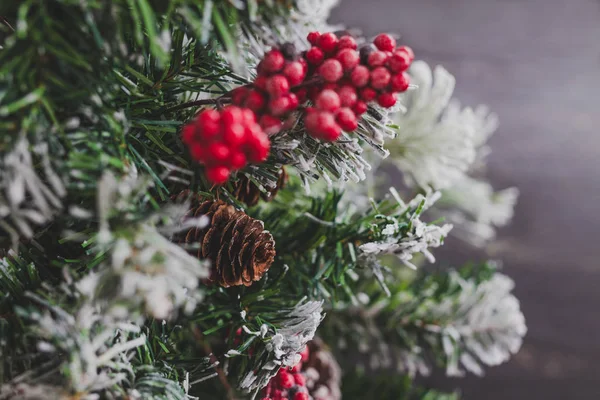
(537, 64)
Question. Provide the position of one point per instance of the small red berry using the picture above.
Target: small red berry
(399, 61)
(299, 379)
(294, 72)
(314, 56)
(407, 50)
(198, 151)
(400, 82)
(380, 78)
(313, 38)
(328, 42)
(360, 76)
(348, 96)
(208, 117)
(231, 115)
(238, 96)
(237, 161)
(301, 94)
(301, 396)
(260, 82)
(377, 59)
(296, 368)
(331, 70)
(279, 106)
(255, 101)
(304, 354)
(217, 174)
(217, 153)
(248, 116)
(277, 85)
(270, 125)
(387, 100)
(315, 120)
(294, 102)
(360, 108)
(188, 133)
(385, 42)
(286, 380)
(266, 398)
(273, 61)
(234, 135)
(368, 94)
(346, 118)
(348, 58)
(331, 132)
(304, 64)
(328, 100)
(257, 148)
(347, 42)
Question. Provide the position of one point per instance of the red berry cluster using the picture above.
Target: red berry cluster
(288, 384)
(226, 140)
(272, 96)
(351, 79)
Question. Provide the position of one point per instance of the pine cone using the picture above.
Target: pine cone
(240, 249)
(247, 192)
(323, 373)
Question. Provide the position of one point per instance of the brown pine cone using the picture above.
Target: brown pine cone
(322, 372)
(247, 192)
(239, 247)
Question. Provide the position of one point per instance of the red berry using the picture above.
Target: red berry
(304, 354)
(347, 42)
(198, 151)
(377, 59)
(248, 116)
(348, 58)
(270, 125)
(294, 72)
(277, 85)
(255, 101)
(380, 78)
(328, 100)
(299, 379)
(231, 115)
(301, 94)
(296, 368)
(313, 38)
(260, 82)
(399, 61)
(331, 70)
(314, 121)
(217, 174)
(294, 102)
(314, 56)
(360, 76)
(387, 100)
(332, 132)
(328, 42)
(360, 108)
(368, 94)
(407, 50)
(217, 153)
(257, 147)
(273, 61)
(304, 64)
(208, 117)
(385, 42)
(234, 135)
(400, 82)
(301, 396)
(266, 398)
(239, 95)
(346, 118)
(286, 380)
(347, 95)
(188, 133)
(237, 161)
(279, 105)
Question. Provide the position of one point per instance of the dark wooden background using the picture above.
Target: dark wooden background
(537, 64)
